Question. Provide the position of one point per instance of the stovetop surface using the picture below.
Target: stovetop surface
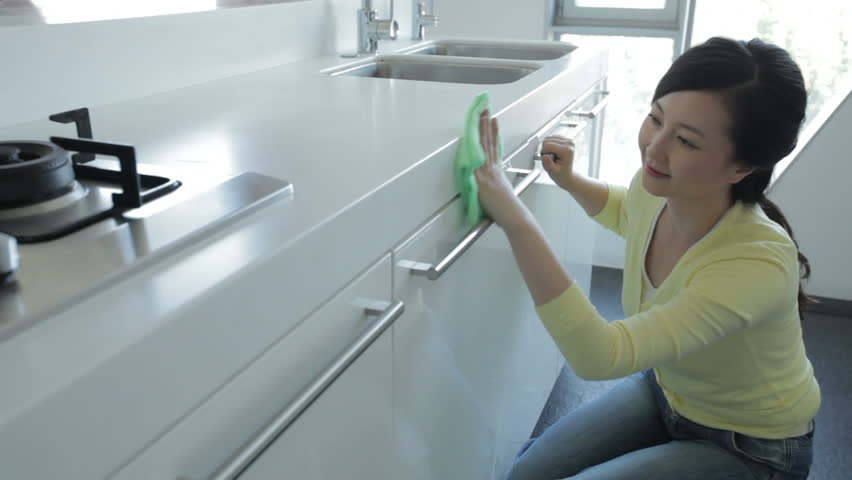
(53, 274)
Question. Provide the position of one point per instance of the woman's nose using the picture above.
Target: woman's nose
(656, 147)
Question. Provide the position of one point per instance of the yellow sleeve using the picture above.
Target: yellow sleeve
(614, 214)
(721, 298)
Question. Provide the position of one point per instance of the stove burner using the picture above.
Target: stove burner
(33, 172)
(10, 155)
(45, 195)
(75, 193)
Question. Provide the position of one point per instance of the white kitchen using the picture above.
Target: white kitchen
(233, 245)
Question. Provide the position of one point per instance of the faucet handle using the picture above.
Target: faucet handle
(383, 29)
(428, 20)
(421, 21)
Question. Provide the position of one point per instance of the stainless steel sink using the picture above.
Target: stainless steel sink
(430, 69)
(495, 49)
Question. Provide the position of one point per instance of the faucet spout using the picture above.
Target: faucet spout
(421, 20)
(372, 29)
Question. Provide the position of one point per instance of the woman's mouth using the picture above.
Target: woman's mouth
(655, 173)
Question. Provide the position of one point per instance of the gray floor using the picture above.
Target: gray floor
(829, 343)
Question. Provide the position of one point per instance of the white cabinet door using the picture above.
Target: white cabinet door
(472, 363)
(346, 433)
(347, 430)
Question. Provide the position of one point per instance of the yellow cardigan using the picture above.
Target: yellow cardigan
(722, 332)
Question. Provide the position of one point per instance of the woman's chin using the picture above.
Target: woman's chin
(651, 185)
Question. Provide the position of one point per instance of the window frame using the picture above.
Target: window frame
(673, 21)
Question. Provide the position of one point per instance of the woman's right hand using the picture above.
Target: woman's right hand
(557, 158)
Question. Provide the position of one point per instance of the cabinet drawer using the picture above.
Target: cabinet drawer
(472, 364)
(208, 438)
(580, 121)
(347, 433)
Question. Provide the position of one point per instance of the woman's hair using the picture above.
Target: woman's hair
(764, 92)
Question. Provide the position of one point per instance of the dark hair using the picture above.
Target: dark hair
(764, 93)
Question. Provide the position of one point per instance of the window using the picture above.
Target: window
(643, 39)
(817, 35)
(635, 66)
(644, 36)
(655, 14)
(621, 3)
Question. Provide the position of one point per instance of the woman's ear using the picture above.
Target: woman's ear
(740, 172)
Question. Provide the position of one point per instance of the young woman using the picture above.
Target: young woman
(719, 384)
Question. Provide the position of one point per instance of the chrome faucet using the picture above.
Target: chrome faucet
(421, 20)
(372, 29)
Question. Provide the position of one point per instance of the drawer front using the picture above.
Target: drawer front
(214, 433)
(347, 433)
(580, 121)
(465, 336)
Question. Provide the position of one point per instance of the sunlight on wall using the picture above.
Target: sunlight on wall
(63, 11)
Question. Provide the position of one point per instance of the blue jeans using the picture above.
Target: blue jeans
(633, 433)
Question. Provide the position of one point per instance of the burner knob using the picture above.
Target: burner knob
(8, 257)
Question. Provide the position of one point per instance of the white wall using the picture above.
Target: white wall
(491, 18)
(815, 194)
(50, 68)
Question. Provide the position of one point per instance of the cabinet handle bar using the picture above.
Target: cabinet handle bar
(256, 446)
(434, 272)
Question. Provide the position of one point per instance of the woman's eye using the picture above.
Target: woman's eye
(654, 119)
(686, 142)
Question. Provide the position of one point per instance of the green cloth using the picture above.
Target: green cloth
(469, 156)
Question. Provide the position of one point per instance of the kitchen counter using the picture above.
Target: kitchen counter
(370, 160)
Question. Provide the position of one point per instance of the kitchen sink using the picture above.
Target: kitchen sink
(494, 49)
(432, 69)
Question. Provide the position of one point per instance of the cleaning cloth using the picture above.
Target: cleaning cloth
(469, 156)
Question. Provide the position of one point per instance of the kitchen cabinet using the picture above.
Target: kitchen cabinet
(472, 363)
(347, 430)
(346, 433)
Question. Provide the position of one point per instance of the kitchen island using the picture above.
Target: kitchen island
(169, 367)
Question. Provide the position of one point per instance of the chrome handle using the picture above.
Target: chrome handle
(239, 462)
(596, 110)
(383, 29)
(434, 272)
(579, 127)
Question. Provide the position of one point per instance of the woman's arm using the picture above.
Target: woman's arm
(557, 158)
(543, 273)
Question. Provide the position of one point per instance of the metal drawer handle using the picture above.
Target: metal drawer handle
(596, 110)
(577, 126)
(254, 448)
(433, 272)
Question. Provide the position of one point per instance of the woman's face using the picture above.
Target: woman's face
(686, 151)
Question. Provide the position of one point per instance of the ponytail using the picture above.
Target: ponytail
(750, 190)
(774, 213)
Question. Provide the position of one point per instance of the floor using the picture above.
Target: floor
(828, 340)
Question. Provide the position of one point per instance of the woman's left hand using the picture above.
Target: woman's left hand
(495, 192)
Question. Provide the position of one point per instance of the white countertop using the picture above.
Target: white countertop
(370, 160)
(334, 138)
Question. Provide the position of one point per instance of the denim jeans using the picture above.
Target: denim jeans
(633, 433)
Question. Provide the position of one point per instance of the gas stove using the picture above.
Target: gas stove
(83, 211)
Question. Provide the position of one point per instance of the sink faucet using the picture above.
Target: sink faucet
(372, 29)
(421, 20)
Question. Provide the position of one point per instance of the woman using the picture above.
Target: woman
(719, 386)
